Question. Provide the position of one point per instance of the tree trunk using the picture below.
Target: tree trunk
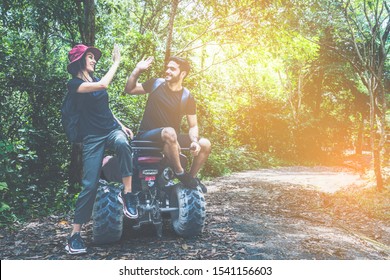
(174, 6)
(89, 22)
(375, 144)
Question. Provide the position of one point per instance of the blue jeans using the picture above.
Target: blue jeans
(93, 152)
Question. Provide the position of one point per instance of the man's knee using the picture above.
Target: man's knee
(168, 135)
(205, 145)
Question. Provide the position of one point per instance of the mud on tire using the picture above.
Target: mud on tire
(107, 214)
(189, 220)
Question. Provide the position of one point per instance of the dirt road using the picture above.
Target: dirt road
(282, 215)
(273, 214)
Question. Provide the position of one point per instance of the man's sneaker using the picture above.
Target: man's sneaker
(75, 245)
(202, 187)
(130, 204)
(187, 180)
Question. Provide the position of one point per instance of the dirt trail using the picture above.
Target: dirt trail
(265, 214)
(325, 179)
(281, 215)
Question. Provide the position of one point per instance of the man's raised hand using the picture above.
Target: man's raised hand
(144, 64)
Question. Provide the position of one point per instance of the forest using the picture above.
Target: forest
(278, 82)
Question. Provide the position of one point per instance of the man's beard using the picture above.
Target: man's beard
(173, 79)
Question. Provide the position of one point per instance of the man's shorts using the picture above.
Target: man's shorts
(155, 136)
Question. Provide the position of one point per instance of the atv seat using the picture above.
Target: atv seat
(143, 145)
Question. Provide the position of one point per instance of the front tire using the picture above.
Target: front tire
(189, 220)
(107, 214)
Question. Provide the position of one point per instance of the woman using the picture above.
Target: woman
(99, 129)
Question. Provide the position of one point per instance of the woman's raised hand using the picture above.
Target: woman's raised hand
(116, 55)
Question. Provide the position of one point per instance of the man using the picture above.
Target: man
(162, 117)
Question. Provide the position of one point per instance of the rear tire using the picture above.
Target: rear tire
(107, 214)
(189, 220)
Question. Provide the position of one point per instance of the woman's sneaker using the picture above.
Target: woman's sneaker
(75, 245)
(130, 204)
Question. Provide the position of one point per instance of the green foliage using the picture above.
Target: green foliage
(5, 215)
(225, 160)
